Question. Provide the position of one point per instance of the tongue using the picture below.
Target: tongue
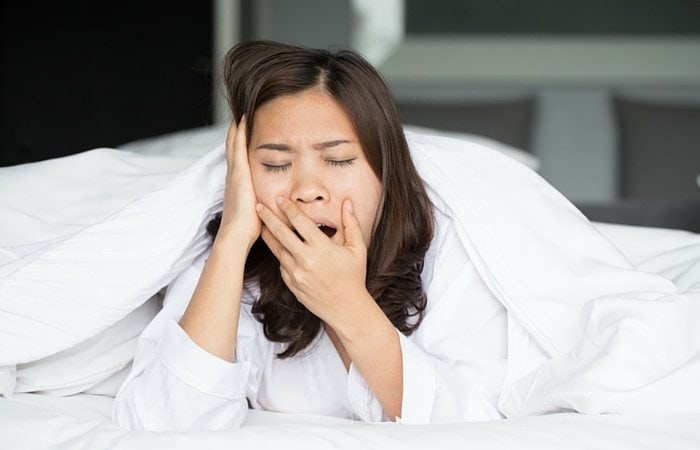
(328, 230)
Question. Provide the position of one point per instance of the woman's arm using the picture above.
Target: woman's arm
(176, 385)
(211, 318)
(182, 376)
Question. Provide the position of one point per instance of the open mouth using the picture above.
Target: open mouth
(327, 230)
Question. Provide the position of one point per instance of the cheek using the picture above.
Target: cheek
(267, 196)
(364, 191)
(266, 192)
(366, 212)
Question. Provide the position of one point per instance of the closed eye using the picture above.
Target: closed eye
(341, 163)
(276, 168)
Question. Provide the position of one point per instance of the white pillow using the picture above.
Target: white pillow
(192, 142)
(97, 365)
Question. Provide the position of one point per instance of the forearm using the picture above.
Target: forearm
(373, 345)
(211, 317)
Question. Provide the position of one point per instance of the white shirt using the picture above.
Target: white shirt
(453, 364)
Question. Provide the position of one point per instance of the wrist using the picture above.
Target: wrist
(359, 319)
(231, 240)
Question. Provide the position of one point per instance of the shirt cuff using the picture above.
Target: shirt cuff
(362, 399)
(418, 388)
(419, 377)
(199, 368)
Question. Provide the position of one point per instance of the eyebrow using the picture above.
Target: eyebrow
(318, 146)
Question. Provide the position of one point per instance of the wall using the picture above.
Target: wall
(81, 75)
(572, 79)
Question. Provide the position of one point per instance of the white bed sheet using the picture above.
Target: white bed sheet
(32, 421)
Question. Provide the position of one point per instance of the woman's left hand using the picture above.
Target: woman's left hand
(326, 277)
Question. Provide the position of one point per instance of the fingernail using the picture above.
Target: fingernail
(279, 200)
(258, 207)
(349, 205)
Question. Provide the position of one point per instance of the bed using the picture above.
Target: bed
(79, 416)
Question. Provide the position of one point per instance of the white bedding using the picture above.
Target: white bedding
(32, 421)
(68, 205)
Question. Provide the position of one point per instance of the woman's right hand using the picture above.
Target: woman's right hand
(239, 219)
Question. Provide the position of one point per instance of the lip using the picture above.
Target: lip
(324, 222)
(328, 223)
(317, 219)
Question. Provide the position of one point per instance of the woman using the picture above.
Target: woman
(327, 287)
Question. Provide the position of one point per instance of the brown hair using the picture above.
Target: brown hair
(256, 72)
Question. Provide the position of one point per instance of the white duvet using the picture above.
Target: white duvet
(601, 318)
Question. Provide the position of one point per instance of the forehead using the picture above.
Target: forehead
(312, 114)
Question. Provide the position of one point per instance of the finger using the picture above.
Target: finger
(300, 221)
(280, 230)
(351, 227)
(277, 249)
(286, 277)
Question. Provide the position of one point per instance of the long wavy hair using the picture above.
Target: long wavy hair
(256, 72)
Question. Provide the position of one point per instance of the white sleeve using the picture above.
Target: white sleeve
(454, 363)
(176, 385)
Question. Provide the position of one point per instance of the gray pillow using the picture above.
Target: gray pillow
(509, 122)
(658, 149)
(663, 213)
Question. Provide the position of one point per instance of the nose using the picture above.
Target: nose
(309, 187)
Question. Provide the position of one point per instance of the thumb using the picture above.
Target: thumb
(351, 227)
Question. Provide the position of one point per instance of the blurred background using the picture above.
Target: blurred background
(603, 94)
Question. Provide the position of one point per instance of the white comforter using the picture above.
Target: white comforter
(601, 318)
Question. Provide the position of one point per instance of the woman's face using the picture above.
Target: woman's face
(304, 147)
